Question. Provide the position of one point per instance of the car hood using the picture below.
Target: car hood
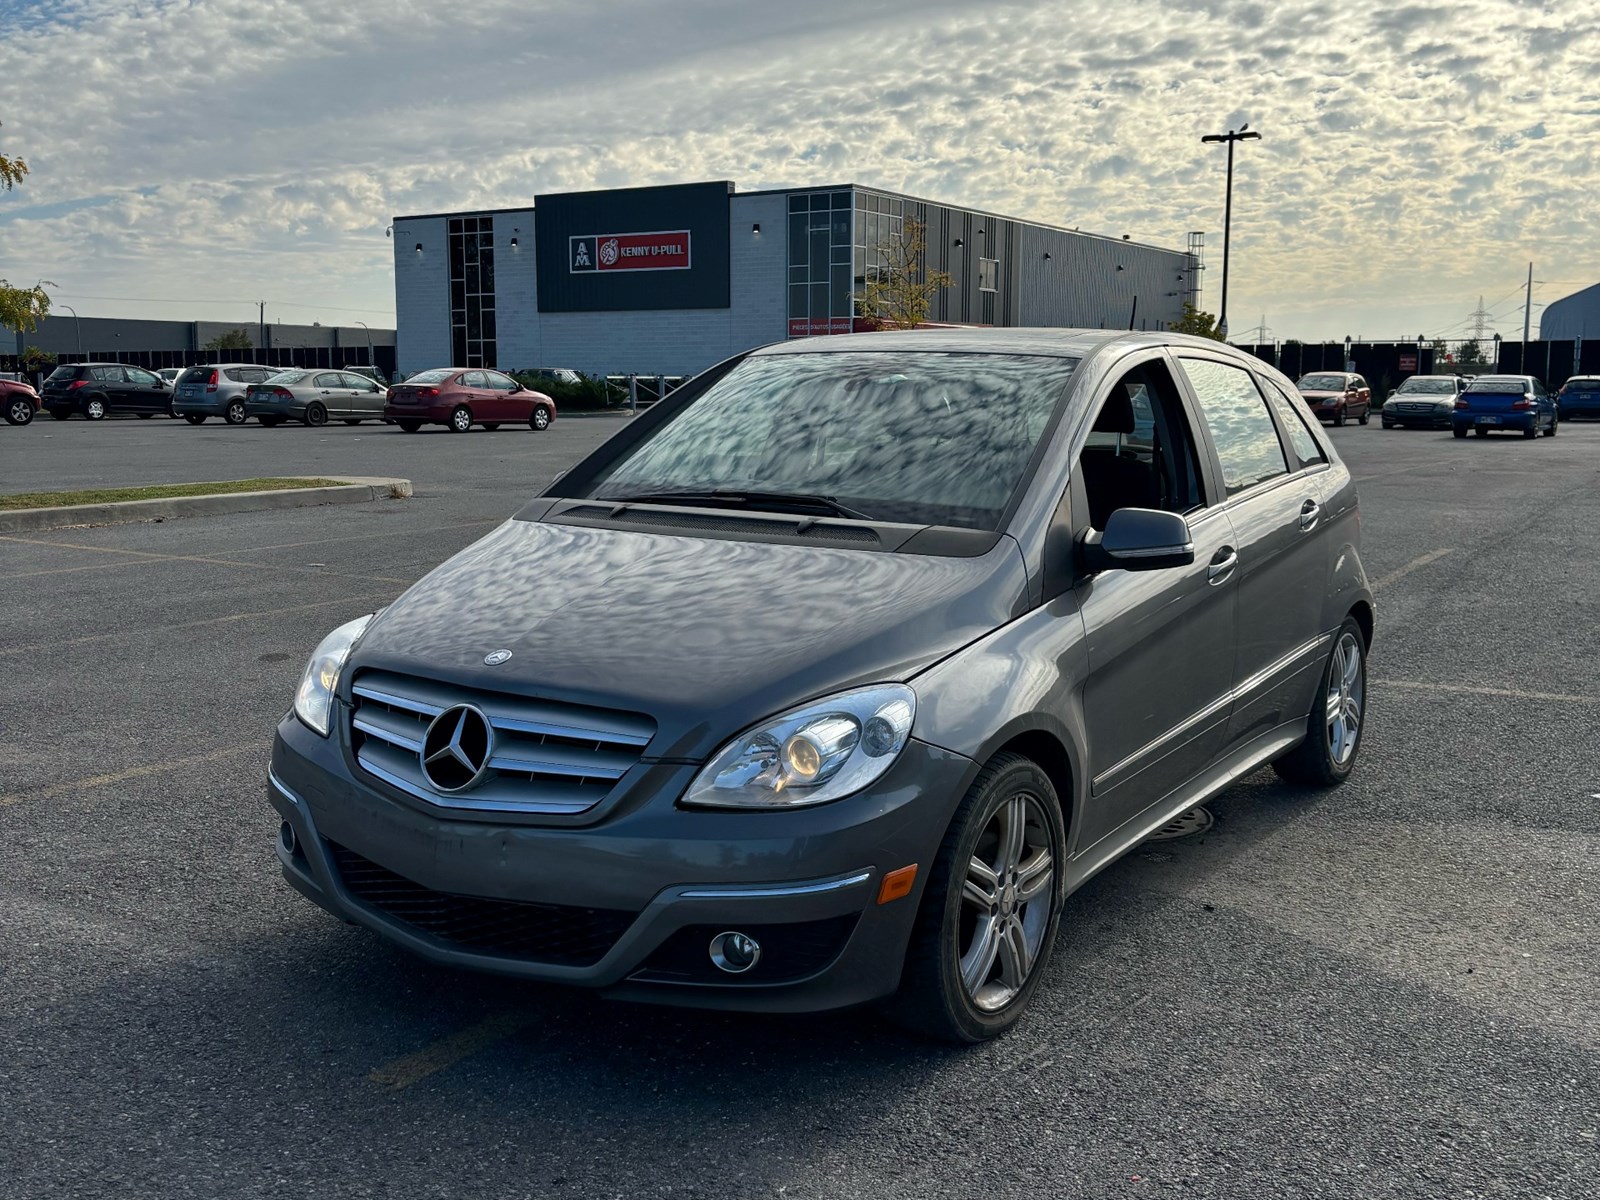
(705, 636)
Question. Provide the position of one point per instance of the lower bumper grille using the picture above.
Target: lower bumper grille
(559, 934)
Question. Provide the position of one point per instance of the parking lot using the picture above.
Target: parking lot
(1385, 990)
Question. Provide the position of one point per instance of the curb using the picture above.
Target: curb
(355, 490)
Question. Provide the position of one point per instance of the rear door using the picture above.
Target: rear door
(329, 388)
(1274, 502)
(476, 395)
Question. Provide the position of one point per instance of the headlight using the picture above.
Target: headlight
(824, 751)
(313, 701)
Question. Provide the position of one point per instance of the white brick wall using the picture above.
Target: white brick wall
(518, 342)
(421, 294)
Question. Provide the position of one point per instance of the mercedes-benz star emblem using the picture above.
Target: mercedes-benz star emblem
(495, 657)
(456, 749)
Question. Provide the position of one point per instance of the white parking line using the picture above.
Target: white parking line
(1421, 560)
(1462, 689)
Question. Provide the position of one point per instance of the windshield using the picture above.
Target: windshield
(938, 439)
(437, 375)
(1434, 387)
(1321, 383)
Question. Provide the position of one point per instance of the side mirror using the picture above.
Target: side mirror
(1139, 539)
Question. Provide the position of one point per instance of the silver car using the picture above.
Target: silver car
(829, 679)
(216, 390)
(315, 397)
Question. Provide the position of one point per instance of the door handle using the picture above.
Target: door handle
(1310, 513)
(1222, 564)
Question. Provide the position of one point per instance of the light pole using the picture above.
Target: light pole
(1421, 337)
(77, 327)
(371, 362)
(1227, 214)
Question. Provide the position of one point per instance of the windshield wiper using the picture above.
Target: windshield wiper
(745, 498)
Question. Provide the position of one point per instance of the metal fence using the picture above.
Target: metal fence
(1386, 364)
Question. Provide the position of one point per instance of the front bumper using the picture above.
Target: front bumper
(639, 893)
(1437, 418)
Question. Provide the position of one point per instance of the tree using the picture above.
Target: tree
(1201, 324)
(21, 309)
(899, 289)
(234, 339)
(1470, 354)
(35, 359)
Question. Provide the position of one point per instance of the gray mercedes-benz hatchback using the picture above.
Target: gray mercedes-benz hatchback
(828, 679)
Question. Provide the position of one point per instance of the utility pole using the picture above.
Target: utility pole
(1480, 321)
(1227, 214)
(261, 324)
(1527, 317)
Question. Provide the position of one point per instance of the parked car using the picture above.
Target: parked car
(1427, 400)
(99, 389)
(20, 402)
(829, 678)
(1511, 402)
(555, 374)
(1336, 395)
(1579, 397)
(217, 390)
(169, 375)
(313, 397)
(459, 399)
(373, 373)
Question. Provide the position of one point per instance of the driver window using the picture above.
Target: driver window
(1140, 452)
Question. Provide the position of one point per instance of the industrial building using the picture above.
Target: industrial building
(1571, 317)
(669, 280)
(156, 344)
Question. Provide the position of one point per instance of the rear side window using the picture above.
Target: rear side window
(1301, 440)
(1241, 427)
(106, 374)
(329, 380)
(64, 373)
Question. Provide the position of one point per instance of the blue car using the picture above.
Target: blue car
(1579, 397)
(1513, 403)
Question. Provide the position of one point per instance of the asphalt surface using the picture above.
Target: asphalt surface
(1388, 990)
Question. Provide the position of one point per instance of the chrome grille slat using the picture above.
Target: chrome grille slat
(548, 757)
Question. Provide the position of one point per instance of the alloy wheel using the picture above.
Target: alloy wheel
(1346, 693)
(1006, 899)
(20, 412)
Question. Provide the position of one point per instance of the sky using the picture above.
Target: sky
(192, 157)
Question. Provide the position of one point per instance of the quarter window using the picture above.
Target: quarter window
(107, 374)
(1300, 438)
(1241, 427)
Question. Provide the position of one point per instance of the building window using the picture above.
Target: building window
(878, 223)
(988, 274)
(820, 238)
(472, 329)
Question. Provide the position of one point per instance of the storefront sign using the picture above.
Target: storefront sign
(1408, 362)
(628, 252)
(818, 326)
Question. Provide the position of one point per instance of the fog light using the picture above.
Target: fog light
(734, 952)
(286, 837)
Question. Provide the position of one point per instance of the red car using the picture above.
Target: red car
(18, 401)
(1335, 395)
(458, 399)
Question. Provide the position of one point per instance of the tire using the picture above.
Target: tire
(172, 410)
(19, 411)
(352, 420)
(236, 414)
(1000, 938)
(409, 426)
(1481, 431)
(1555, 423)
(1387, 424)
(95, 409)
(1328, 754)
(491, 426)
(269, 422)
(1366, 415)
(1338, 417)
(1460, 431)
(195, 418)
(539, 418)
(144, 416)
(1532, 431)
(460, 419)
(60, 414)
(316, 415)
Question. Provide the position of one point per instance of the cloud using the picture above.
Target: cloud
(257, 148)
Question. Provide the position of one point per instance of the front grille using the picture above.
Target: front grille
(547, 757)
(559, 934)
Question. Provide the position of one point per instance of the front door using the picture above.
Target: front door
(145, 391)
(1160, 643)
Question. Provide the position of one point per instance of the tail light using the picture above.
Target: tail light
(76, 384)
(1523, 404)
(1463, 402)
(428, 393)
(283, 393)
(211, 382)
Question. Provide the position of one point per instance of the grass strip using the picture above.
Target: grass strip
(158, 491)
